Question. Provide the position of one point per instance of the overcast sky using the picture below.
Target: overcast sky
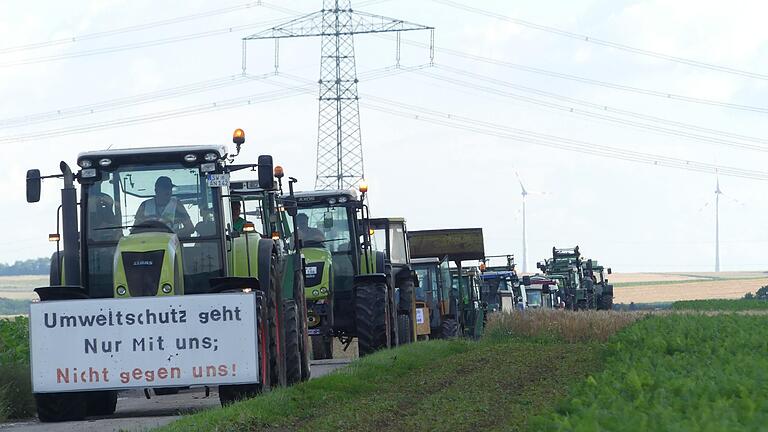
(630, 216)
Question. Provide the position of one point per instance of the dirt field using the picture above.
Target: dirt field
(21, 287)
(696, 286)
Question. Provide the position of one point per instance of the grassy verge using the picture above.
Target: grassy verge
(682, 372)
(15, 384)
(524, 364)
(721, 305)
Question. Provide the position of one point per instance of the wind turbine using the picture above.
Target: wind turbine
(718, 192)
(524, 193)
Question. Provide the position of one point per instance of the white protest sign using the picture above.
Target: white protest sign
(143, 342)
(419, 316)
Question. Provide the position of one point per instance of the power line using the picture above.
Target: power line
(287, 91)
(136, 45)
(603, 42)
(598, 116)
(590, 81)
(601, 107)
(521, 135)
(128, 29)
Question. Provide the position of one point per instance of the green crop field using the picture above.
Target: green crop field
(721, 305)
(681, 372)
(15, 383)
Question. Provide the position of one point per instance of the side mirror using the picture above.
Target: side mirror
(33, 185)
(266, 172)
(328, 220)
(526, 280)
(291, 207)
(609, 270)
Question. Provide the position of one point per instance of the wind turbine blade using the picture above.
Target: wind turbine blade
(522, 187)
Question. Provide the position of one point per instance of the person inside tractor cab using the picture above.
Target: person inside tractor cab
(103, 223)
(165, 208)
(308, 234)
(237, 220)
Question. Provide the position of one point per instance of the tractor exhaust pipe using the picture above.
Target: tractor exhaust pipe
(69, 228)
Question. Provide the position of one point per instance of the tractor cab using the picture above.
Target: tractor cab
(539, 292)
(392, 235)
(466, 312)
(436, 304)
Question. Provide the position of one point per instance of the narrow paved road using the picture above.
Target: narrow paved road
(136, 413)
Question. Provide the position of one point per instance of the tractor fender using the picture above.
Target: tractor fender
(266, 248)
(608, 289)
(62, 292)
(370, 278)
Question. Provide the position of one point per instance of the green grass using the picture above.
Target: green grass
(494, 384)
(15, 383)
(679, 372)
(721, 305)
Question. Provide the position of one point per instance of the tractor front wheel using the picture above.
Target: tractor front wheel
(404, 329)
(322, 347)
(59, 407)
(449, 329)
(606, 302)
(371, 316)
(292, 344)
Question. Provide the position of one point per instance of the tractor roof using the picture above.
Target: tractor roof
(220, 149)
(311, 197)
(430, 260)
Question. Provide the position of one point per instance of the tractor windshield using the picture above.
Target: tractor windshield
(326, 227)
(534, 297)
(157, 195)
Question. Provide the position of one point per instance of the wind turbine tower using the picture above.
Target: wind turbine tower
(718, 192)
(524, 194)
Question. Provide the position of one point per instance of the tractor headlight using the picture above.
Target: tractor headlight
(208, 167)
(121, 290)
(105, 162)
(167, 288)
(210, 157)
(85, 163)
(88, 173)
(190, 157)
(332, 201)
(342, 199)
(315, 292)
(323, 290)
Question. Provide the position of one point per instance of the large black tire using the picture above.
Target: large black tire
(371, 317)
(322, 347)
(301, 310)
(404, 329)
(292, 343)
(101, 403)
(58, 407)
(274, 319)
(233, 393)
(606, 302)
(449, 329)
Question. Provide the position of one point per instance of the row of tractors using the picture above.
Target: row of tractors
(145, 223)
(566, 281)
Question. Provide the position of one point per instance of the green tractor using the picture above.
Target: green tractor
(577, 279)
(352, 289)
(448, 298)
(157, 222)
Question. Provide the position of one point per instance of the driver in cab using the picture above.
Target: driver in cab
(166, 209)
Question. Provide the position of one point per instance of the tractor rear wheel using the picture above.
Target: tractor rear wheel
(449, 329)
(233, 393)
(101, 403)
(606, 302)
(292, 343)
(322, 347)
(404, 329)
(58, 407)
(371, 316)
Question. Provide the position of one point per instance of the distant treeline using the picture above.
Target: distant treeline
(38, 266)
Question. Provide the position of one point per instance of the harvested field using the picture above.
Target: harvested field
(719, 289)
(21, 287)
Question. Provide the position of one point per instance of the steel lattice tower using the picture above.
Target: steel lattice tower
(339, 142)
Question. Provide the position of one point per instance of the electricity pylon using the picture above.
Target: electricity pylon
(339, 142)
